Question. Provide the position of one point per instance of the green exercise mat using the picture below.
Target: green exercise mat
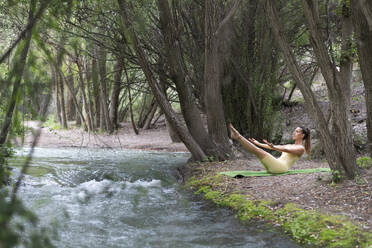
(265, 173)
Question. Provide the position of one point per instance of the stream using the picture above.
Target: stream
(126, 198)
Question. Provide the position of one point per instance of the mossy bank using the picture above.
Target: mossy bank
(308, 227)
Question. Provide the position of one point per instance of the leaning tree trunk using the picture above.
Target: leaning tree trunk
(189, 108)
(192, 146)
(338, 82)
(16, 73)
(162, 84)
(15, 79)
(130, 102)
(144, 109)
(334, 158)
(150, 116)
(364, 45)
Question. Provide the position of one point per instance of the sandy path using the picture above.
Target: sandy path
(125, 138)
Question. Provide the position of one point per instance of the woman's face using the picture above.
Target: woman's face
(298, 134)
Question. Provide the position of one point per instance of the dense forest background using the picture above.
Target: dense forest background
(201, 64)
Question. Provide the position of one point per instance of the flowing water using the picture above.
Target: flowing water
(109, 198)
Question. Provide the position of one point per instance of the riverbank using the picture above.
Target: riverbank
(155, 139)
(309, 207)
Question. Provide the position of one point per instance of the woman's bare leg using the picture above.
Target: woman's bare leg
(247, 144)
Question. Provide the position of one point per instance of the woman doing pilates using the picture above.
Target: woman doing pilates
(290, 152)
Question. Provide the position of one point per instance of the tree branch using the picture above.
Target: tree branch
(22, 35)
(227, 17)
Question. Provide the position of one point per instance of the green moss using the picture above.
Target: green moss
(305, 226)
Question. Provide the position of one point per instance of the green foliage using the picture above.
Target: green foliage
(15, 218)
(52, 124)
(336, 176)
(364, 162)
(5, 153)
(210, 159)
(19, 226)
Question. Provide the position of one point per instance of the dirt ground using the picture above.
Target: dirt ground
(352, 198)
(125, 138)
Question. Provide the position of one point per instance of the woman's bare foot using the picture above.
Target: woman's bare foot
(234, 134)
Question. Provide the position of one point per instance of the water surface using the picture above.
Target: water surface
(110, 198)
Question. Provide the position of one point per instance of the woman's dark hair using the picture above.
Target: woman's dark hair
(306, 137)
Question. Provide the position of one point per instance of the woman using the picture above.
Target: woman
(290, 152)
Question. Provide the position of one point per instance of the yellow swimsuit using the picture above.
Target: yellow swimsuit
(279, 165)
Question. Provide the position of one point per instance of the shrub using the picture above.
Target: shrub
(364, 162)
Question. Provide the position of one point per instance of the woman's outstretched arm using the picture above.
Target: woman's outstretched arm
(290, 148)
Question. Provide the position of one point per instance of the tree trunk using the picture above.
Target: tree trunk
(96, 90)
(187, 100)
(145, 108)
(75, 101)
(56, 92)
(102, 123)
(150, 116)
(90, 100)
(15, 79)
(118, 68)
(338, 82)
(123, 109)
(364, 45)
(61, 95)
(58, 64)
(70, 106)
(162, 79)
(366, 8)
(194, 148)
(130, 102)
(332, 149)
(102, 54)
(82, 90)
(213, 72)
(78, 116)
(145, 111)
